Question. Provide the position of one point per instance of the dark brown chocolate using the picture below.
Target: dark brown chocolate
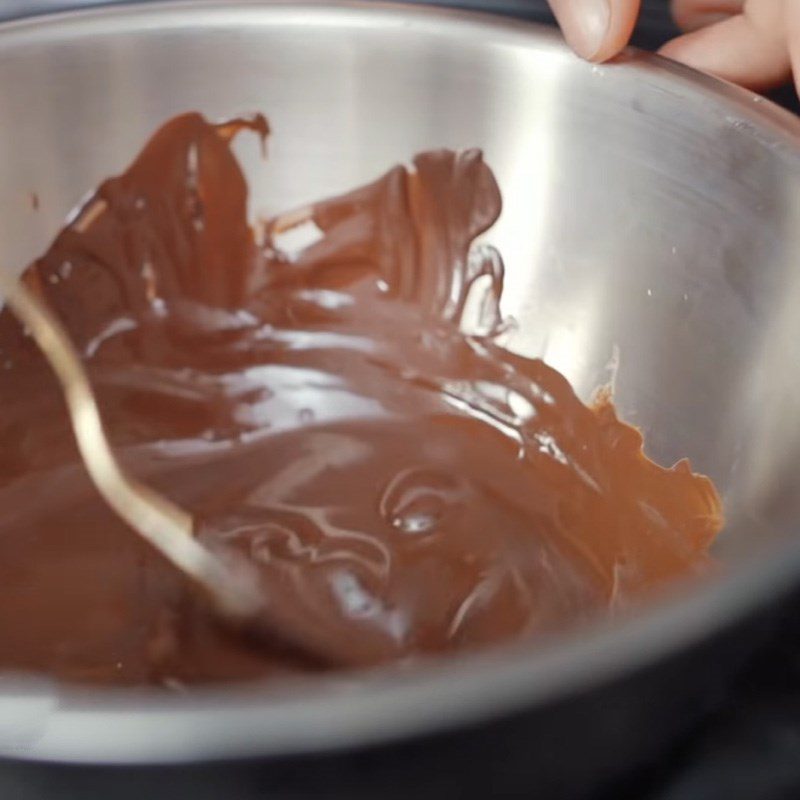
(401, 484)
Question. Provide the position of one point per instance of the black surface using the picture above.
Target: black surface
(729, 741)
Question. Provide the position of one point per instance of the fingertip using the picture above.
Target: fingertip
(596, 29)
(584, 24)
(624, 14)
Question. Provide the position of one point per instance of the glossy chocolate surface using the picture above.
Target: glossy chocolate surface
(403, 484)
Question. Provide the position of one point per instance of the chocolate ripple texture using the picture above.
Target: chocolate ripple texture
(310, 390)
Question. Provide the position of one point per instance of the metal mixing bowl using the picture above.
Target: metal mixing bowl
(652, 216)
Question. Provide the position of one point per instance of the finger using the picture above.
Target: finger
(739, 50)
(596, 29)
(793, 29)
(691, 15)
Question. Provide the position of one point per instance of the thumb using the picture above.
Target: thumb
(596, 29)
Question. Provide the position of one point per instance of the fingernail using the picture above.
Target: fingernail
(584, 23)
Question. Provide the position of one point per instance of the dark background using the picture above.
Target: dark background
(750, 749)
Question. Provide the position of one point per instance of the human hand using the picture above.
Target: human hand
(755, 43)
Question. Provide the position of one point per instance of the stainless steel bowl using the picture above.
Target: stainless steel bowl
(652, 218)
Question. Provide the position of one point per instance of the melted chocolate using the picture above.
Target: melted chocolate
(402, 485)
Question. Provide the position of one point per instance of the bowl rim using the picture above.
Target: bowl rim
(134, 726)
